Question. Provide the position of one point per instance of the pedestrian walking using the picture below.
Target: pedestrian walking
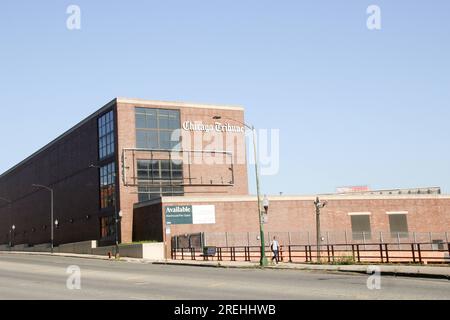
(275, 247)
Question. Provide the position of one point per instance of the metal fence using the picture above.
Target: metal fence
(421, 253)
(249, 239)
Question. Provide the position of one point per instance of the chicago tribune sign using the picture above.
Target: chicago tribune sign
(217, 127)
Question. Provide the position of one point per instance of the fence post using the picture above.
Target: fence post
(202, 243)
(306, 254)
(364, 240)
(387, 252)
(413, 253)
(182, 253)
(359, 257)
(290, 254)
(346, 240)
(381, 252)
(420, 253)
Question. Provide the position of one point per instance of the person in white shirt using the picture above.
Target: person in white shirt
(275, 246)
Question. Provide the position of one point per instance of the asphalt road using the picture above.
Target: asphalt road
(44, 277)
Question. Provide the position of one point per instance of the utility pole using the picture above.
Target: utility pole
(263, 261)
(319, 205)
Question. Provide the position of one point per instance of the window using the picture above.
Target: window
(106, 135)
(398, 225)
(155, 128)
(107, 185)
(158, 178)
(107, 227)
(361, 226)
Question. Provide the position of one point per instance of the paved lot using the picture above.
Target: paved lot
(44, 277)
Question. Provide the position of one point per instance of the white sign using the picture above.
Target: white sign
(217, 127)
(204, 214)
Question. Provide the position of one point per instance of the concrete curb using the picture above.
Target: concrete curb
(360, 269)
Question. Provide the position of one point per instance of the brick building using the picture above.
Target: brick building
(148, 164)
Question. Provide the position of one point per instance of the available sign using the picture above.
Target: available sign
(191, 214)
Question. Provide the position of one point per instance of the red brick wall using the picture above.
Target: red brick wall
(424, 215)
(127, 139)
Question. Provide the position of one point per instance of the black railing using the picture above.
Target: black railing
(419, 253)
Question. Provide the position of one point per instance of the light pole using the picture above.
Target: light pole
(117, 215)
(319, 205)
(263, 262)
(9, 202)
(11, 232)
(51, 212)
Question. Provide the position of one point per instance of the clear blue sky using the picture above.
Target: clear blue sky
(354, 106)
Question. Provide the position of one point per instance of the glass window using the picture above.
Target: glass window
(158, 178)
(398, 224)
(106, 135)
(107, 227)
(361, 227)
(155, 127)
(107, 186)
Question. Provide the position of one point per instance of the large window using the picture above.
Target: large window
(106, 135)
(361, 226)
(155, 128)
(107, 227)
(158, 178)
(398, 225)
(107, 185)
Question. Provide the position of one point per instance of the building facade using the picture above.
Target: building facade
(141, 170)
(127, 152)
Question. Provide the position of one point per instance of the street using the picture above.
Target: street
(44, 277)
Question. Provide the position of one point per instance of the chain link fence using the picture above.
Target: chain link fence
(434, 240)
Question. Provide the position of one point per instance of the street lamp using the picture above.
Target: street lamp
(266, 204)
(11, 234)
(263, 262)
(51, 212)
(117, 215)
(319, 205)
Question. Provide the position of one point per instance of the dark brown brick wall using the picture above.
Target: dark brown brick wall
(148, 223)
(64, 166)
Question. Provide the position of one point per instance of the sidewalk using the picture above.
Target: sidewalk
(437, 272)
